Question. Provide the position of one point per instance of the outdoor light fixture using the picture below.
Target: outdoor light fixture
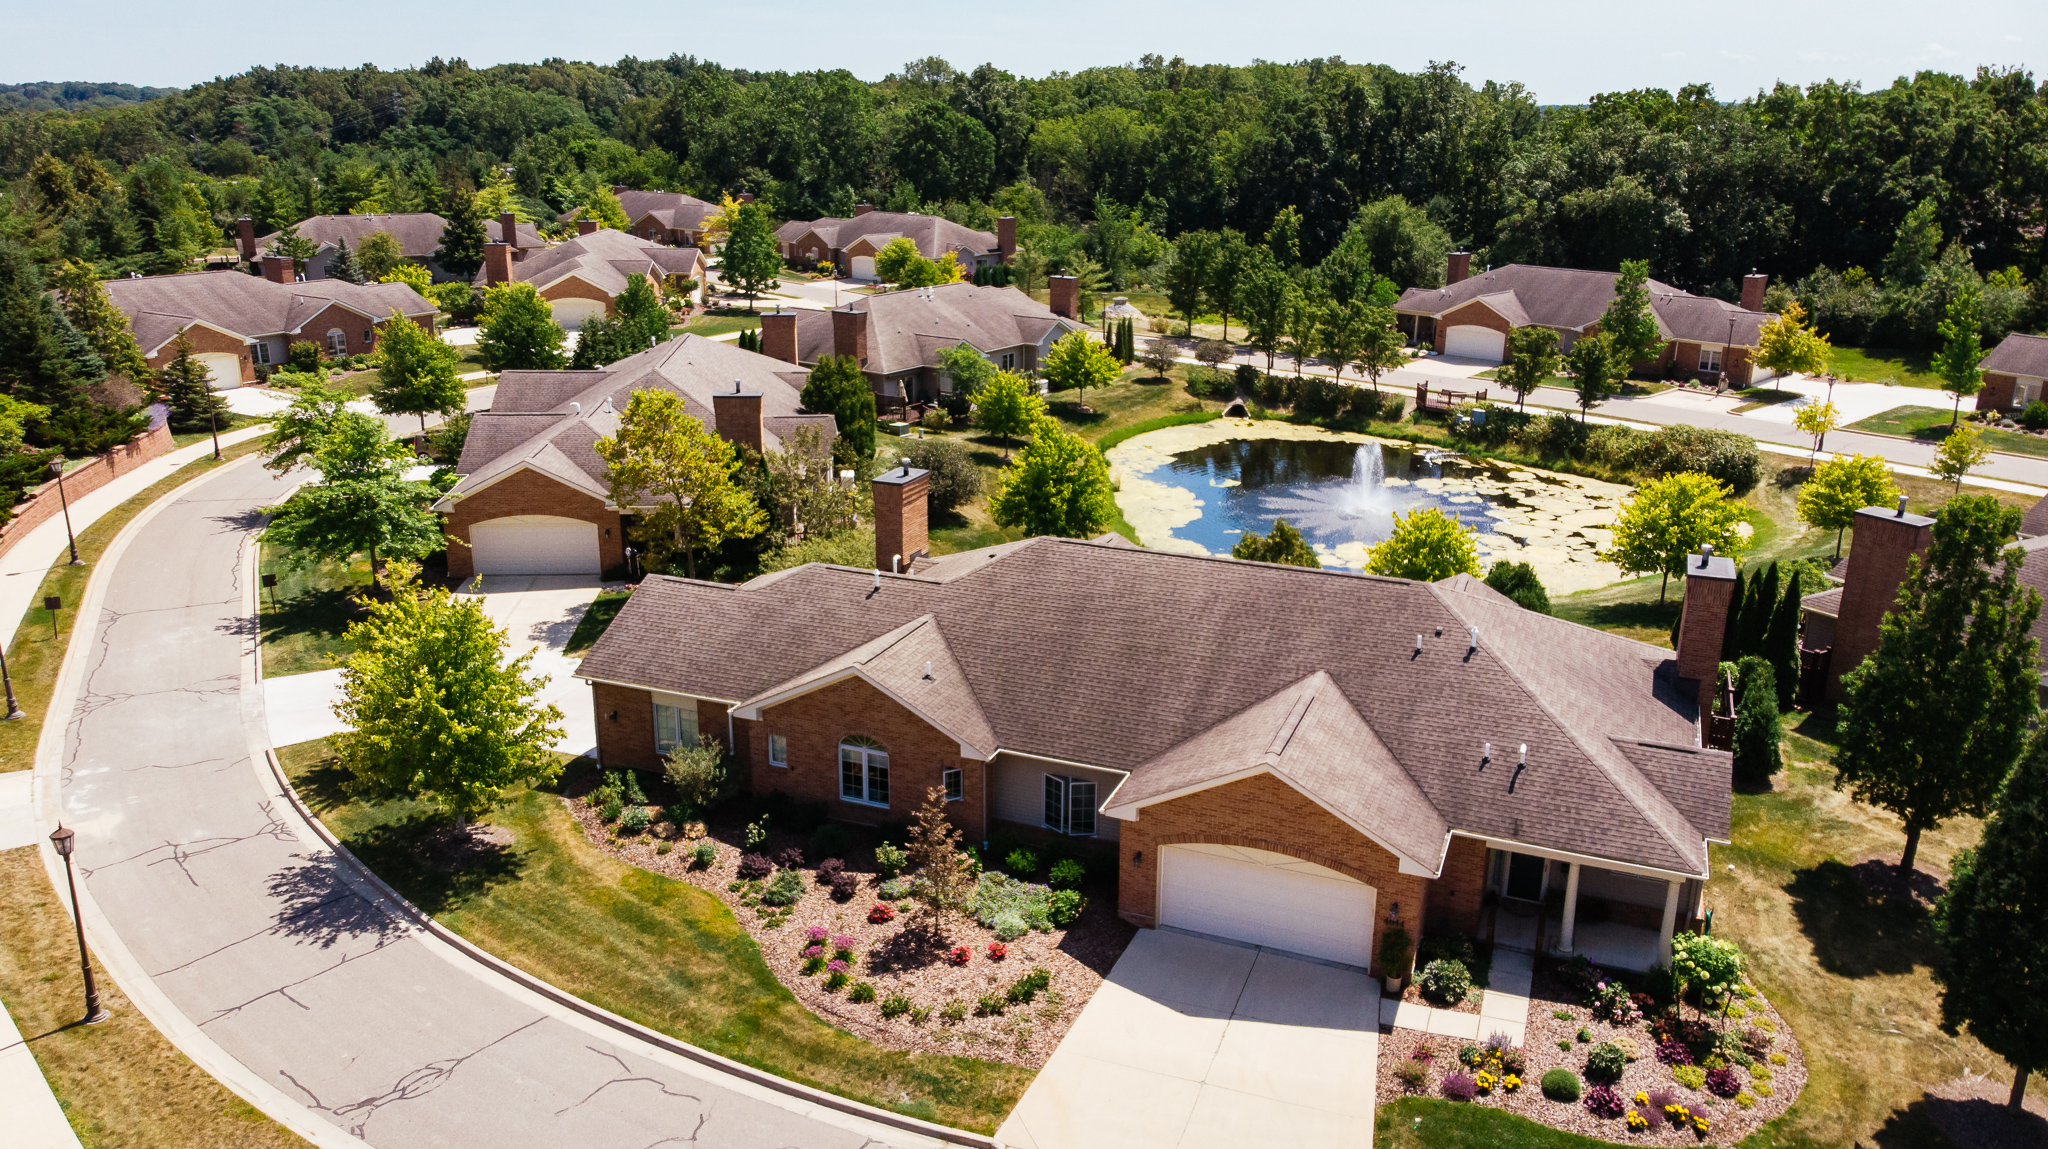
(57, 473)
(1394, 912)
(1137, 857)
(62, 838)
(612, 717)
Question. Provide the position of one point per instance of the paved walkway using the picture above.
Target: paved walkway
(1194, 1041)
(32, 1117)
(269, 961)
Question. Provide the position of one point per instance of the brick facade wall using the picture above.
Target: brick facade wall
(625, 727)
(46, 502)
(1473, 314)
(815, 724)
(208, 340)
(574, 288)
(335, 317)
(1454, 900)
(1997, 392)
(1263, 813)
(527, 493)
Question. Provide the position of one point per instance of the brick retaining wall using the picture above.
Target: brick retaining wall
(43, 503)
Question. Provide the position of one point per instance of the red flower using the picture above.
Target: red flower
(997, 951)
(881, 912)
(962, 955)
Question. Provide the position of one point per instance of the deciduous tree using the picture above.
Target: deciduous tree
(1790, 347)
(1426, 545)
(969, 369)
(518, 330)
(1961, 452)
(297, 431)
(380, 254)
(1380, 345)
(1078, 361)
(750, 260)
(1283, 545)
(1189, 274)
(1666, 519)
(362, 503)
(1961, 351)
(1816, 419)
(945, 878)
(418, 375)
(1628, 323)
(1007, 406)
(1595, 367)
(1532, 358)
(1057, 485)
(1838, 488)
(665, 462)
(1520, 582)
(85, 303)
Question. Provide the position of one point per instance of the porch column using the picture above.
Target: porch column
(1670, 920)
(1571, 905)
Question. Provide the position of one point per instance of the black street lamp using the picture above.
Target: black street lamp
(57, 472)
(62, 837)
(13, 708)
(211, 421)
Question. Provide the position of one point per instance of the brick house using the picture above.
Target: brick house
(1423, 754)
(897, 336)
(418, 234)
(532, 496)
(237, 322)
(2013, 373)
(584, 276)
(1471, 315)
(670, 218)
(852, 244)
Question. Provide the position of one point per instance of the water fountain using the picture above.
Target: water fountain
(1359, 508)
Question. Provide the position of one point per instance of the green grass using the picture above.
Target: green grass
(1931, 424)
(718, 324)
(1885, 365)
(1418, 1122)
(230, 422)
(664, 953)
(303, 618)
(603, 609)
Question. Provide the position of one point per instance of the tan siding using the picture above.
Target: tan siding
(1017, 791)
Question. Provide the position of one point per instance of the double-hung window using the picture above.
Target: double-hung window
(1009, 360)
(337, 342)
(864, 772)
(1710, 359)
(953, 783)
(675, 728)
(1070, 805)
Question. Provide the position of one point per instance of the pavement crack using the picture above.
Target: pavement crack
(627, 1077)
(410, 1085)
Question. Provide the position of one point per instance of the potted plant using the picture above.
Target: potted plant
(1396, 952)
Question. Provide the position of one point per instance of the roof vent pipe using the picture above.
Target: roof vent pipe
(1902, 506)
(575, 408)
(1485, 753)
(1418, 644)
(878, 578)
(927, 669)
(895, 565)
(735, 386)
(1525, 755)
(1706, 552)
(1475, 638)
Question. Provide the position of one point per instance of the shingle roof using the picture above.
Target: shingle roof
(912, 664)
(1827, 602)
(2035, 521)
(933, 235)
(249, 306)
(670, 209)
(1573, 299)
(604, 259)
(418, 232)
(2018, 354)
(548, 420)
(908, 329)
(1187, 643)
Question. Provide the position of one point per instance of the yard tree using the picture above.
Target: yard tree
(1078, 361)
(1709, 965)
(801, 489)
(1595, 366)
(1006, 407)
(894, 260)
(416, 277)
(703, 775)
(1284, 545)
(1781, 642)
(1157, 357)
(1532, 358)
(1932, 720)
(662, 459)
(1520, 582)
(1265, 294)
(1057, 485)
(1231, 257)
(433, 708)
(1426, 545)
(298, 430)
(600, 204)
(462, 240)
(518, 330)
(1790, 347)
(362, 503)
(718, 226)
(84, 301)
(1380, 345)
(1189, 274)
(945, 878)
(837, 388)
(185, 387)
(1756, 722)
(418, 374)
(969, 369)
(1993, 925)
(290, 244)
(601, 341)
(1838, 488)
(1340, 332)
(1283, 238)
(1960, 352)
(640, 313)
(1628, 323)
(1816, 419)
(1959, 454)
(379, 255)
(344, 266)
(750, 260)
(1666, 519)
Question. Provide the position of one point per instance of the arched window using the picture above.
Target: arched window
(864, 771)
(337, 342)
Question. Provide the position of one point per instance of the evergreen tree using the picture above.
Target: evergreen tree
(184, 388)
(602, 341)
(1756, 722)
(344, 266)
(837, 388)
(1933, 718)
(84, 301)
(1731, 625)
(1757, 610)
(1781, 643)
(642, 317)
(1520, 582)
(1993, 926)
(462, 240)
(1284, 545)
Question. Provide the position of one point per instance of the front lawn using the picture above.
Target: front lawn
(1433, 1123)
(603, 609)
(303, 617)
(702, 324)
(1885, 365)
(1931, 424)
(228, 422)
(664, 953)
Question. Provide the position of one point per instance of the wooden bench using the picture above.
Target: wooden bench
(1444, 398)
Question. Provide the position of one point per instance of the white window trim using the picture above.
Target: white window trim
(953, 781)
(1716, 354)
(778, 742)
(1070, 791)
(696, 736)
(337, 341)
(865, 779)
(2025, 391)
(261, 350)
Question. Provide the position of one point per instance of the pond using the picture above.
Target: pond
(1199, 488)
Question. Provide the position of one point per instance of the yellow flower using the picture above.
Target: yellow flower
(1486, 1081)
(1636, 1120)
(1511, 1083)
(1642, 1098)
(1699, 1122)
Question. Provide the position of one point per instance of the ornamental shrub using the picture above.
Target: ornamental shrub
(790, 857)
(1603, 1101)
(1674, 1053)
(610, 811)
(664, 848)
(2035, 416)
(990, 1005)
(1690, 1076)
(1726, 455)
(895, 1005)
(754, 866)
(896, 889)
(961, 955)
(1444, 982)
(704, 855)
(1022, 863)
(1066, 874)
(1459, 1087)
(997, 951)
(1412, 1075)
(634, 820)
(827, 868)
(843, 885)
(1009, 926)
(1560, 1085)
(954, 1010)
(890, 860)
(861, 992)
(784, 889)
(1025, 988)
(1724, 1082)
(1606, 1063)
(1064, 906)
(836, 979)
(881, 912)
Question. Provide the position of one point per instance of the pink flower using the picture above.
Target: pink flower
(997, 951)
(815, 933)
(814, 952)
(842, 942)
(835, 966)
(962, 955)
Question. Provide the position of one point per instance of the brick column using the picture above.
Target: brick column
(901, 517)
(1886, 540)
(1709, 585)
(738, 416)
(778, 336)
(1066, 296)
(278, 268)
(497, 263)
(850, 334)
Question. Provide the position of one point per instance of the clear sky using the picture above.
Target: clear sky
(1563, 50)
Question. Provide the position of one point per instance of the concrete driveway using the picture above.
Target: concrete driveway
(1194, 1042)
(540, 613)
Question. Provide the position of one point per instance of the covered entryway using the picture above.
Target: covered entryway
(1266, 899)
(571, 313)
(535, 545)
(223, 370)
(863, 267)
(1476, 343)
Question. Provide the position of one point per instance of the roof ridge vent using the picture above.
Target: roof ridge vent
(1289, 724)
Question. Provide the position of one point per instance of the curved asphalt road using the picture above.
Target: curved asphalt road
(255, 932)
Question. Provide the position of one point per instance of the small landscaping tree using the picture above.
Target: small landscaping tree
(1519, 581)
(1756, 722)
(1959, 454)
(1426, 545)
(1816, 419)
(945, 878)
(1595, 368)
(1532, 358)
(362, 503)
(954, 477)
(1669, 518)
(433, 708)
(1960, 352)
(1781, 641)
(750, 260)
(703, 775)
(1788, 346)
(1993, 926)
(1380, 345)
(969, 369)
(1838, 488)
(1058, 485)
(1007, 407)
(1284, 545)
(418, 375)
(1078, 361)
(1710, 967)
(837, 388)
(519, 332)
(296, 432)
(1628, 323)
(186, 389)
(1157, 357)
(1932, 720)
(663, 459)
(344, 266)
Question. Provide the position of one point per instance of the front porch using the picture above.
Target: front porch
(1611, 917)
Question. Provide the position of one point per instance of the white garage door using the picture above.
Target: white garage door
(1476, 343)
(535, 544)
(571, 313)
(863, 267)
(1267, 899)
(224, 370)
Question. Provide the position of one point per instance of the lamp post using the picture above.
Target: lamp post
(213, 422)
(61, 838)
(57, 473)
(13, 707)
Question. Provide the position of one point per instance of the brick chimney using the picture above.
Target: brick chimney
(1886, 537)
(861, 209)
(744, 197)
(278, 268)
(738, 415)
(1006, 237)
(585, 226)
(246, 229)
(620, 189)
(508, 231)
(1753, 286)
(1709, 586)
(1066, 295)
(1459, 268)
(902, 513)
(850, 334)
(778, 336)
(497, 263)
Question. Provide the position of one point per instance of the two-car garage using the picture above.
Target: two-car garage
(535, 545)
(1472, 342)
(1266, 899)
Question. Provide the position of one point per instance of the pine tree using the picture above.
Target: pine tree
(1781, 644)
(183, 386)
(344, 266)
(1993, 925)
(1731, 626)
(837, 388)
(1757, 611)
(1756, 722)
(462, 240)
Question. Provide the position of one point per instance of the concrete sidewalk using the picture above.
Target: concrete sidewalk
(34, 1119)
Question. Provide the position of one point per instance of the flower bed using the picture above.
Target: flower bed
(1632, 1105)
(861, 962)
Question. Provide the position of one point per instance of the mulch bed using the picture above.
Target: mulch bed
(1728, 1122)
(896, 957)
